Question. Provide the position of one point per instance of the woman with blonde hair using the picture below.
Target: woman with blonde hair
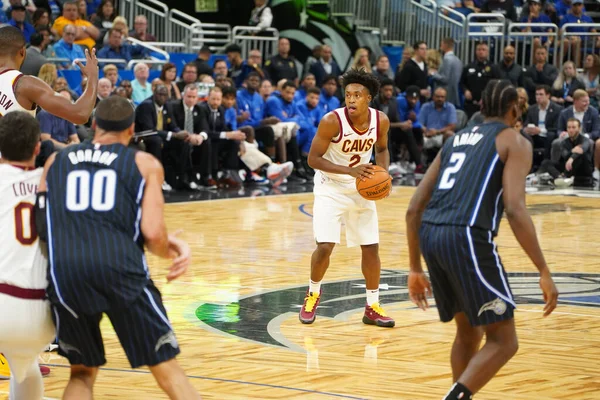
(120, 24)
(407, 54)
(591, 78)
(48, 74)
(565, 85)
(523, 100)
(361, 61)
(168, 76)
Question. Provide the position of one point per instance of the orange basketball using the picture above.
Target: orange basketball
(377, 187)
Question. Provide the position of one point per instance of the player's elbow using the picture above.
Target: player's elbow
(312, 160)
(514, 211)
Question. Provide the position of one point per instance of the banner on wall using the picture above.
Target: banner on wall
(204, 6)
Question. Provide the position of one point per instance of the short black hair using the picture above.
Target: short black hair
(288, 84)
(545, 88)
(216, 62)
(36, 39)
(386, 82)
(313, 90)
(418, 44)
(330, 78)
(233, 48)
(11, 40)
(497, 98)
(362, 77)
(229, 91)
(114, 108)
(254, 74)
(19, 134)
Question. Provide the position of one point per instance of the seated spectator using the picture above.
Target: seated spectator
(400, 132)
(312, 113)
(409, 107)
(540, 73)
(66, 47)
(509, 69)
(572, 158)
(591, 78)
(541, 120)
(225, 144)
(361, 61)
(126, 84)
(229, 104)
(325, 67)
(313, 58)
(504, 7)
(61, 132)
(522, 100)
(239, 67)
(220, 68)
(415, 72)
(308, 82)
(283, 65)
(187, 116)
(169, 144)
(111, 73)
(48, 74)
(565, 85)
(34, 58)
(537, 16)
(189, 74)
(407, 53)
(48, 48)
(438, 120)
(40, 18)
(140, 30)
(590, 123)
(255, 63)
(105, 15)
(168, 76)
(577, 16)
(116, 49)
(105, 88)
(382, 68)
(201, 62)
(82, 9)
(17, 20)
(261, 16)
(140, 86)
(563, 7)
(329, 101)
(86, 34)
(265, 90)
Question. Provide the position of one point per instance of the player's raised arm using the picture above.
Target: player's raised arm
(418, 284)
(329, 129)
(382, 153)
(31, 90)
(516, 167)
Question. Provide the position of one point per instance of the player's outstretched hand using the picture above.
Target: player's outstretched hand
(364, 171)
(419, 289)
(181, 254)
(90, 69)
(550, 292)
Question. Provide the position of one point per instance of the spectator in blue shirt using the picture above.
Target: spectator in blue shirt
(281, 105)
(307, 83)
(312, 112)
(60, 131)
(438, 119)
(239, 67)
(66, 47)
(328, 101)
(562, 7)
(577, 16)
(409, 106)
(116, 49)
(17, 20)
(229, 95)
(536, 16)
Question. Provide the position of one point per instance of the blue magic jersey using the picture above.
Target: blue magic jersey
(96, 249)
(468, 190)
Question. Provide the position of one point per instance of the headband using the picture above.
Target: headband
(115, 126)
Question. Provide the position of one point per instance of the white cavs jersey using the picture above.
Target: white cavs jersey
(351, 147)
(8, 99)
(22, 262)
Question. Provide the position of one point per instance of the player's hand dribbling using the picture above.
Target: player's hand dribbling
(550, 292)
(364, 171)
(419, 289)
(181, 254)
(90, 69)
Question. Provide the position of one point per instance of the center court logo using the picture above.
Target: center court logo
(257, 317)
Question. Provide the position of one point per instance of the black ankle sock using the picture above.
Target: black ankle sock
(459, 392)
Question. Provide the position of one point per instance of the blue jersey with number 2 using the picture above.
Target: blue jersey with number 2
(468, 190)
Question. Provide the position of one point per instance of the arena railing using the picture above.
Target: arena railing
(170, 47)
(369, 15)
(524, 42)
(215, 36)
(267, 45)
(587, 41)
(181, 30)
(423, 23)
(150, 47)
(491, 31)
(100, 61)
(396, 17)
(342, 8)
(453, 24)
(156, 12)
(131, 64)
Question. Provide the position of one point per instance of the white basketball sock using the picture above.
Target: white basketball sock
(314, 287)
(372, 296)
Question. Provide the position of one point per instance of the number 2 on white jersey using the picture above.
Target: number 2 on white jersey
(448, 177)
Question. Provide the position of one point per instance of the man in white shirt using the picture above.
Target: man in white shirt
(261, 15)
(541, 121)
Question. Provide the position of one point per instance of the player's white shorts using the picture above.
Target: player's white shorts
(26, 328)
(337, 202)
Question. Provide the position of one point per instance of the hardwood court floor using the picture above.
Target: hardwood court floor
(235, 312)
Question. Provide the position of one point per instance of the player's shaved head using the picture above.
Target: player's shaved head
(11, 40)
(19, 136)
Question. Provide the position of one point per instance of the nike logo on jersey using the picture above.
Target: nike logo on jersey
(67, 348)
(357, 145)
(467, 139)
(498, 306)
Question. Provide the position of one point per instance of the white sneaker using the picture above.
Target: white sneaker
(596, 174)
(563, 182)
(396, 170)
(257, 179)
(277, 173)
(409, 167)
(166, 187)
(531, 180)
(194, 186)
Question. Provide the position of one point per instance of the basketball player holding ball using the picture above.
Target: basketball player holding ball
(340, 153)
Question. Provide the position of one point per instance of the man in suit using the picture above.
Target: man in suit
(541, 121)
(225, 144)
(169, 144)
(187, 116)
(34, 58)
(325, 66)
(450, 71)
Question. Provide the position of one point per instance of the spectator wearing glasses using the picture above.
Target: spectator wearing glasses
(86, 34)
(140, 30)
(189, 75)
(126, 84)
(116, 49)
(66, 47)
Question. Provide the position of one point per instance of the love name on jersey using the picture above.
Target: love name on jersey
(93, 156)
(357, 145)
(23, 189)
(5, 102)
(467, 139)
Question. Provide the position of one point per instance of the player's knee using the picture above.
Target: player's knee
(325, 249)
(85, 374)
(370, 248)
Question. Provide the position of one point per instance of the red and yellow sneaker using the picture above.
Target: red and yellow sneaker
(374, 315)
(308, 312)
